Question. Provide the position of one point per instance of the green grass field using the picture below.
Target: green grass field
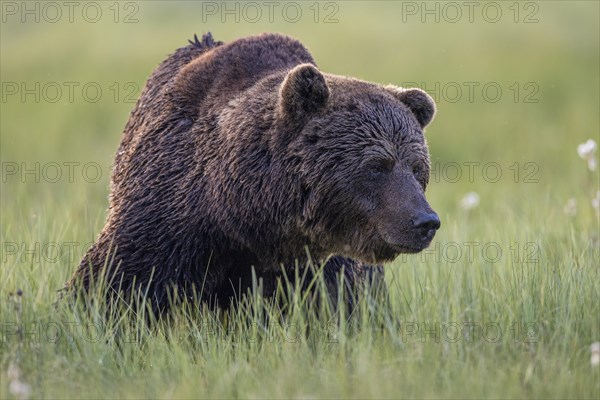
(505, 303)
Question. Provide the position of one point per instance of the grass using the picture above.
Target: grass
(503, 305)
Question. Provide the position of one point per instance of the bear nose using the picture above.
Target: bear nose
(427, 222)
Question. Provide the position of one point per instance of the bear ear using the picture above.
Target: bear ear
(420, 103)
(303, 92)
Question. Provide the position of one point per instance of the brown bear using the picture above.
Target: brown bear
(243, 161)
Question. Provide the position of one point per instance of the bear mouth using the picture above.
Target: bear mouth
(390, 244)
(389, 250)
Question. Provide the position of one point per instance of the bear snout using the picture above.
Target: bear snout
(409, 235)
(426, 224)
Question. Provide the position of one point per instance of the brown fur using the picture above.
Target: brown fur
(244, 155)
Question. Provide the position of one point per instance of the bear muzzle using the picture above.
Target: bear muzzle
(411, 237)
(426, 225)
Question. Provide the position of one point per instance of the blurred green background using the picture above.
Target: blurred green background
(517, 86)
(543, 56)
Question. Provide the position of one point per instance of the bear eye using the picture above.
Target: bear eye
(380, 167)
(420, 175)
(417, 172)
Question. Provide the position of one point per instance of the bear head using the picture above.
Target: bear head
(362, 161)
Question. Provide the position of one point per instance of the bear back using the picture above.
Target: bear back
(217, 76)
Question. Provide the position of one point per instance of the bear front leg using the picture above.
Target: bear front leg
(354, 276)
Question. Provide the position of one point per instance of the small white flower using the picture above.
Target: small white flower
(571, 207)
(19, 389)
(16, 387)
(469, 201)
(595, 349)
(587, 151)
